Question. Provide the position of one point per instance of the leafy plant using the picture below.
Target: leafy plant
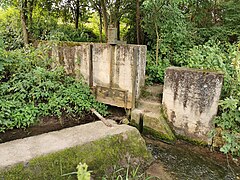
(30, 89)
(155, 72)
(82, 172)
(10, 29)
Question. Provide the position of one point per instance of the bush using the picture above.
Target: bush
(29, 90)
(155, 72)
(69, 33)
(10, 28)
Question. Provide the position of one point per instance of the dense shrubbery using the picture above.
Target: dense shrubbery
(68, 33)
(30, 89)
(196, 34)
(10, 29)
(41, 29)
(218, 56)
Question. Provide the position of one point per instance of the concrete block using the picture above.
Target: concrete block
(49, 155)
(154, 124)
(135, 116)
(149, 105)
(191, 98)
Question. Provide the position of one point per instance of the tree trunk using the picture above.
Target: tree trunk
(157, 43)
(24, 23)
(138, 22)
(118, 29)
(31, 5)
(117, 18)
(77, 14)
(100, 25)
(105, 18)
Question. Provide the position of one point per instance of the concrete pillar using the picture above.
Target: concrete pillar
(190, 98)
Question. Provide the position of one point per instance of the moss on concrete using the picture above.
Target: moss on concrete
(169, 138)
(192, 140)
(101, 156)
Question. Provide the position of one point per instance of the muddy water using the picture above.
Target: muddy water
(186, 161)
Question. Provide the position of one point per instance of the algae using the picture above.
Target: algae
(101, 156)
(168, 138)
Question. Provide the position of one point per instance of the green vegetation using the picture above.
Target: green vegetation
(119, 174)
(198, 34)
(31, 89)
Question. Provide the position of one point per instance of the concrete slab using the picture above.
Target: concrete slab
(23, 150)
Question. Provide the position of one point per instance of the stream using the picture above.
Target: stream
(186, 161)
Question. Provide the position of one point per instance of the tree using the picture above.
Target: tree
(75, 10)
(96, 5)
(23, 14)
(112, 11)
(138, 27)
(105, 18)
(165, 22)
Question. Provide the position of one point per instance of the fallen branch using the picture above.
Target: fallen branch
(101, 118)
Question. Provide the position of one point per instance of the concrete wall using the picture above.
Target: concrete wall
(49, 155)
(191, 100)
(116, 72)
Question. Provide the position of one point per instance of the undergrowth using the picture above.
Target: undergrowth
(217, 56)
(31, 89)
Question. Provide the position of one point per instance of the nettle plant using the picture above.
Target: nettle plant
(30, 89)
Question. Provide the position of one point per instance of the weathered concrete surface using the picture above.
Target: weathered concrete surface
(153, 120)
(106, 67)
(104, 148)
(23, 150)
(191, 100)
(153, 123)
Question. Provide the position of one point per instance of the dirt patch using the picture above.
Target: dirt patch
(48, 124)
(44, 125)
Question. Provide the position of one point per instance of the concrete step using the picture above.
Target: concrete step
(149, 105)
(152, 123)
(153, 92)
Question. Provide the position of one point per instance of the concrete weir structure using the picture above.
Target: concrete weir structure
(190, 98)
(116, 72)
(50, 155)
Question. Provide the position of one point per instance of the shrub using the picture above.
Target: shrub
(30, 90)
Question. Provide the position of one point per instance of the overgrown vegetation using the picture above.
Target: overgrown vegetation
(201, 35)
(31, 89)
(197, 34)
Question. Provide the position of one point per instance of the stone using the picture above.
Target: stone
(190, 97)
(49, 155)
(112, 35)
